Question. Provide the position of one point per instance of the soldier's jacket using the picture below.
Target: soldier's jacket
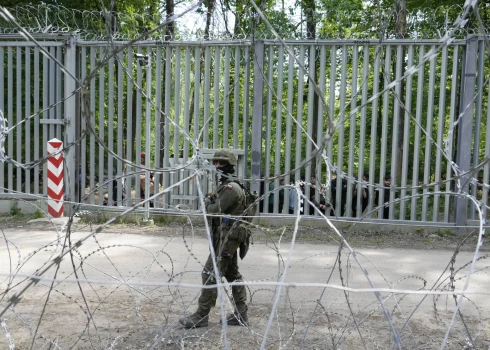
(230, 200)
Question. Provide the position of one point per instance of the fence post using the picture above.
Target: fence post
(70, 113)
(55, 178)
(258, 114)
(465, 131)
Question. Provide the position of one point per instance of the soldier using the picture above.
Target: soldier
(228, 235)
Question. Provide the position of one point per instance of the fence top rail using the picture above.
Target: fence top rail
(365, 42)
(31, 43)
(59, 40)
(153, 43)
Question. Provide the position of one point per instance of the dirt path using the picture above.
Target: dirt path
(134, 283)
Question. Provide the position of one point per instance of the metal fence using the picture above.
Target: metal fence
(417, 110)
(34, 105)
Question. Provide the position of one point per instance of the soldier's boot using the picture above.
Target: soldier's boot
(195, 320)
(237, 319)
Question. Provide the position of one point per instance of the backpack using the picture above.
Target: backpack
(251, 203)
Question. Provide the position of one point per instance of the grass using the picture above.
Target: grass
(18, 217)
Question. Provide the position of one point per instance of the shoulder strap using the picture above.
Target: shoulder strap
(242, 186)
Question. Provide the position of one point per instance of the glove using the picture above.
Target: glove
(210, 198)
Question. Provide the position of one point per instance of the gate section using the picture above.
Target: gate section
(150, 112)
(346, 115)
(33, 103)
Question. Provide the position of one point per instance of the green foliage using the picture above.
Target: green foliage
(446, 232)
(14, 208)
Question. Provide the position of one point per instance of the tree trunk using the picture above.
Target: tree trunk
(210, 4)
(209, 15)
(170, 27)
(401, 31)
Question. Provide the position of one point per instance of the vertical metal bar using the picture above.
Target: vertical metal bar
(52, 86)
(450, 137)
(79, 189)
(187, 116)
(216, 105)
(406, 134)
(177, 91)
(120, 127)
(352, 130)
(206, 92)
(465, 130)
(363, 132)
(320, 118)
(258, 113)
(45, 115)
(149, 83)
(309, 123)
(20, 126)
(110, 132)
(129, 128)
(299, 122)
(418, 131)
(138, 130)
(187, 97)
(101, 129)
(2, 108)
(428, 133)
(36, 90)
(166, 151)
(374, 127)
(71, 125)
(197, 111)
(10, 117)
(28, 120)
(197, 94)
(268, 122)
(59, 97)
(226, 98)
(83, 125)
(92, 125)
(331, 112)
(341, 131)
(384, 132)
(158, 120)
(440, 132)
(236, 99)
(289, 113)
(478, 116)
(246, 103)
(278, 155)
(400, 57)
(486, 167)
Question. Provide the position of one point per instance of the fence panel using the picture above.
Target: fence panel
(393, 107)
(384, 108)
(179, 99)
(32, 103)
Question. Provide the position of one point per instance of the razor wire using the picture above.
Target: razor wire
(421, 23)
(259, 333)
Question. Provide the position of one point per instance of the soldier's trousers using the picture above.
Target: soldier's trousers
(229, 269)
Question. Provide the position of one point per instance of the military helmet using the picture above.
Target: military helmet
(226, 155)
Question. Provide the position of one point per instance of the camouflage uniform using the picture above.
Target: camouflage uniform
(227, 235)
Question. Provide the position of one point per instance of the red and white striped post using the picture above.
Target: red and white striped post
(55, 179)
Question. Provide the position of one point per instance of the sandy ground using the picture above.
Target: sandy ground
(125, 287)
